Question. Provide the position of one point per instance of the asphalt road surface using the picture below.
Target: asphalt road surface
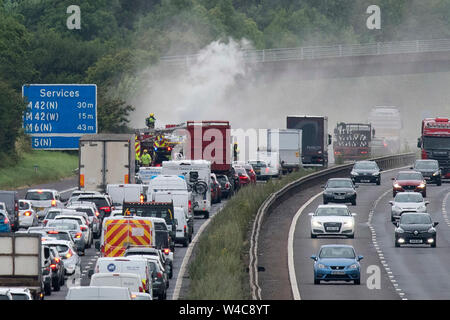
(409, 272)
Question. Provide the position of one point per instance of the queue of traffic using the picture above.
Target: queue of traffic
(413, 224)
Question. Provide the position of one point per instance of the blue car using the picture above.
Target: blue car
(4, 223)
(337, 262)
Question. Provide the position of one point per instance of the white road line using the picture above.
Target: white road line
(291, 265)
(68, 190)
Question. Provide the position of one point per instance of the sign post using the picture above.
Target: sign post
(57, 115)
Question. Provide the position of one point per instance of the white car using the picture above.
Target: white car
(333, 219)
(27, 216)
(43, 198)
(98, 293)
(407, 201)
(20, 293)
(69, 255)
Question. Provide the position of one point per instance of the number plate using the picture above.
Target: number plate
(333, 229)
(416, 241)
(339, 197)
(365, 180)
(337, 272)
(427, 178)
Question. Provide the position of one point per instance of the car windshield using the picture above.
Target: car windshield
(60, 247)
(324, 212)
(430, 165)
(162, 239)
(3, 297)
(222, 179)
(63, 225)
(337, 252)
(99, 202)
(339, 184)
(409, 176)
(153, 266)
(415, 219)
(39, 195)
(409, 197)
(241, 170)
(73, 219)
(59, 236)
(20, 296)
(52, 214)
(365, 166)
(258, 164)
(85, 210)
(23, 206)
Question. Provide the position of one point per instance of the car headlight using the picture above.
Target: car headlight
(400, 230)
(316, 224)
(436, 173)
(422, 208)
(349, 223)
(422, 185)
(321, 266)
(397, 186)
(353, 266)
(354, 173)
(396, 209)
(375, 173)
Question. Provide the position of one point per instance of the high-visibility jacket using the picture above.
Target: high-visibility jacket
(146, 159)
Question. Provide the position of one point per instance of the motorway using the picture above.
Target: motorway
(409, 272)
(88, 261)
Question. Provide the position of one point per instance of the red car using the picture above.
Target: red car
(216, 190)
(409, 181)
(244, 178)
(250, 172)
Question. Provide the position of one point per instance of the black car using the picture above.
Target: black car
(366, 171)
(339, 190)
(58, 271)
(430, 170)
(225, 185)
(415, 228)
(159, 280)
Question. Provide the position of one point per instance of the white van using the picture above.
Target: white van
(126, 280)
(98, 293)
(198, 177)
(167, 188)
(120, 193)
(183, 235)
(126, 265)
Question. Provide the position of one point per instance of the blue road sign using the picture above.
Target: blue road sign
(60, 109)
(55, 142)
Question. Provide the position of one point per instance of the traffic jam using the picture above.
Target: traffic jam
(140, 197)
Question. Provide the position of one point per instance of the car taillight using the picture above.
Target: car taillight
(159, 275)
(190, 205)
(106, 209)
(267, 170)
(52, 232)
(53, 266)
(83, 228)
(97, 213)
(227, 185)
(78, 235)
(166, 251)
(184, 228)
(53, 203)
(141, 198)
(45, 222)
(27, 213)
(69, 254)
(6, 220)
(57, 260)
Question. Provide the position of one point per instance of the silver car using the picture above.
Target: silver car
(68, 254)
(75, 231)
(407, 202)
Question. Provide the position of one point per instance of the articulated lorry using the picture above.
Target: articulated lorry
(315, 138)
(106, 159)
(352, 140)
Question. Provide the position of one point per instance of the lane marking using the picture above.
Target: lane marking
(291, 265)
(68, 190)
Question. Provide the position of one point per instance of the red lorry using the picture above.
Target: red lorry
(435, 142)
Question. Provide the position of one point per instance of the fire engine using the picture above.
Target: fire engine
(435, 142)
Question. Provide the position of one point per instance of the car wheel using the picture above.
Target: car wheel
(313, 236)
(378, 182)
(353, 202)
(206, 215)
(392, 219)
(439, 183)
(352, 236)
(185, 242)
(316, 281)
(424, 194)
(357, 282)
(397, 245)
(433, 245)
(56, 285)
(325, 201)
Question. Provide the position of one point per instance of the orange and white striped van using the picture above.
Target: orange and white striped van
(119, 232)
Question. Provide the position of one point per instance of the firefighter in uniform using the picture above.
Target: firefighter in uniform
(150, 121)
(146, 159)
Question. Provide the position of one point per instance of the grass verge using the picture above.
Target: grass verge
(37, 167)
(218, 269)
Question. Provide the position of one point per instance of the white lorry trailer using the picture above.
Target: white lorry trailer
(288, 143)
(106, 159)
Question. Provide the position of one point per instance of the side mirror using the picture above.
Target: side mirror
(314, 257)
(311, 214)
(360, 258)
(411, 168)
(419, 142)
(435, 224)
(356, 186)
(395, 223)
(427, 202)
(392, 179)
(391, 202)
(323, 187)
(354, 214)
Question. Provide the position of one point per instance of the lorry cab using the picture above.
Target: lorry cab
(197, 174)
